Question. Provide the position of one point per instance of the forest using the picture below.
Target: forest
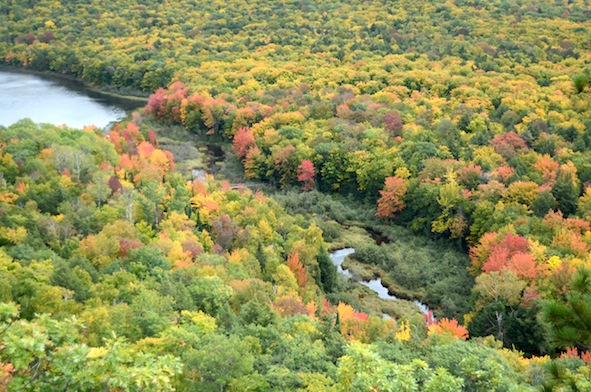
(447, 141)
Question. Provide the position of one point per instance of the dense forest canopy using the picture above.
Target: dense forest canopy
(459, 122)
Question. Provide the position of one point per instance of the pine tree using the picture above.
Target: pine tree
(328, 271)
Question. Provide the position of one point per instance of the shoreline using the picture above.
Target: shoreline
(132, 99)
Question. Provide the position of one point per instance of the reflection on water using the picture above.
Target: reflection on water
(338, 257)
(54, 101)
(376, 285)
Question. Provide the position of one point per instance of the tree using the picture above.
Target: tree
(566, 189)
(243, 141)
(219, 360)
(392, 123)
(569, 315)
(543, 203)
(494, 292)
(306, 175)
(566, 194)
(392, 197)
(328, 271)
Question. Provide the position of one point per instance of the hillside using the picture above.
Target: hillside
(459, 132)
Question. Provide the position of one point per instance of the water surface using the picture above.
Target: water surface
(46, 99)
(375, 285)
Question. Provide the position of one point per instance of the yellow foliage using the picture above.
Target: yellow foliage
(553, 263)
(403, 332)
(265, 230)
(96, 352)
(15, 235)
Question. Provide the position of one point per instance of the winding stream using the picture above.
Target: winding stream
(375, 285)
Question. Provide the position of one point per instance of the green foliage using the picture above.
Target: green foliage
(328, 271)
(480, 110)
(568, 315)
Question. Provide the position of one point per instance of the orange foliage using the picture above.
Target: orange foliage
(555, 220)
(449, 326)
(243, 141)
(571, 241)
(312, 308)
(392, 197)
(6, 371)
(503, 173)
(145, 150)
(353, 324)
(548, 168)
(298, 270)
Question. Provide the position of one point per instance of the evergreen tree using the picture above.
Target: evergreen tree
(328, 271)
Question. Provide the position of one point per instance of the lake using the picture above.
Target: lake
(54, 100)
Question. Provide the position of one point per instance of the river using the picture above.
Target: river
(54, 100)
(375, 285)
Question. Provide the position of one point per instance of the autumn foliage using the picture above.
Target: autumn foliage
(504, 252)
(299, 271)
(392, 197)
(243, 141)
(306, 175)
(448, 326)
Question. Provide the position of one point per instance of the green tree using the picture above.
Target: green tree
(328, 271)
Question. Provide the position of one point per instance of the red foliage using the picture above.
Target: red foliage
(299, 271)
(155, 102)
(243, 141)
(326, 307)
(571, 352)
(530, 295)
(510, 252)
(523, 264)
(470, 176)
(115, 184)
(125, 245)
(508, 144)
(192, 247)
(555, 220)
(393, 123)
(392, 197)
(289, 307)
(306, 175)
(152, 138)
(429, 318)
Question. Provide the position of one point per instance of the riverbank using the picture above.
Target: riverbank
(340, 259)
(409, 267)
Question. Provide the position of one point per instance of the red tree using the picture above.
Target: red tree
(306, 175)
(392, 197)
(393, 123)
(511, 253)
(243, 141)
(508, 144)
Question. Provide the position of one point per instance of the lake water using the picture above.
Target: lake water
(47, 99)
